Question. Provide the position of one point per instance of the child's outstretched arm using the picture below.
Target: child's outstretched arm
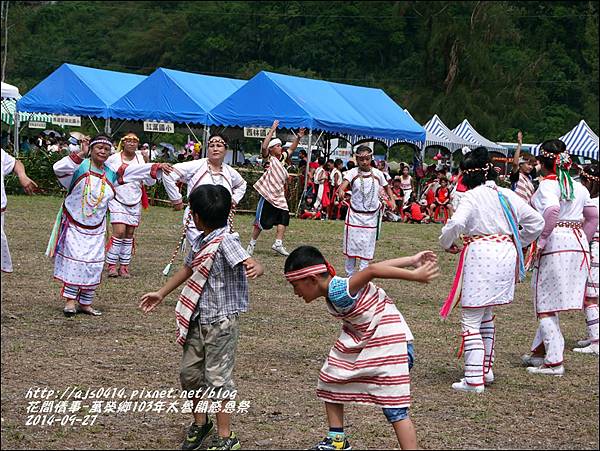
(415, 261)
(424, 274)
(149, 301)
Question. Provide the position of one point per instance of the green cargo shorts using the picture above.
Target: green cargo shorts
(209, 357)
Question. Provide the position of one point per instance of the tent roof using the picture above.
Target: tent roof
(10, 91)
(78, 90)
(466, 131)
(580, 141)
(172, 95)
(351, 111)
(439, 134)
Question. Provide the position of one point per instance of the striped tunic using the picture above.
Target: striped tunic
(368, 364)
(524, 187)
(271, 185)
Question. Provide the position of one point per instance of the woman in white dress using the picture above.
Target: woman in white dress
(126, 207)
(77, 242)
(495, 224)
(562, 264)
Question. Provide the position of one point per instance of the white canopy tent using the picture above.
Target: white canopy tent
(10, 91)
(466, 131)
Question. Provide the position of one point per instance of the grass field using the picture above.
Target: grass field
(282, 346)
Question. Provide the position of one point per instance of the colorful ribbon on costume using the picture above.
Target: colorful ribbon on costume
(512, 220)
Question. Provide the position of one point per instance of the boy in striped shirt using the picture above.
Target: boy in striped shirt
(370, 362)
(272, 209)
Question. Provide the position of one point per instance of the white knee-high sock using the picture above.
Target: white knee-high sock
(350, 264)
(474, 354)
(112, 256)
(554, 341)
(591, 320)
(538, 340)
(126, 251)
(363, 264)
(488, 335)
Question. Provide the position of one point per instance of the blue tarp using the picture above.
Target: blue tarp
(296, 102)
(78, 90)
(171, 95)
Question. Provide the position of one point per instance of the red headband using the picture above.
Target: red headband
(309, 271)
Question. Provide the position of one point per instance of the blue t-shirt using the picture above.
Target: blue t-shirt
(338, 294)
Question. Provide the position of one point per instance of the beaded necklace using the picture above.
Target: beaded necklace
(362, 189)
(212, 176)
(87, 198)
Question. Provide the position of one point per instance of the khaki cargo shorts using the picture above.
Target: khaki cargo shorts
(209, 356)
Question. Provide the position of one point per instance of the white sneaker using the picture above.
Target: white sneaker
(250, 249)
(547, 370)
(488, 379)
(584, 343)
(530, 360)
(280, 249)
(592, 348)
(463, 386)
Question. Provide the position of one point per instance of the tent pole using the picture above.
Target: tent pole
(93, 123)
(107, 126)
(16, 124)
(306, 172)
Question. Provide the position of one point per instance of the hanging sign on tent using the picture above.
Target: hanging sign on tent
(159, 127)
(37, 124)
(256, 132)
(62, 120)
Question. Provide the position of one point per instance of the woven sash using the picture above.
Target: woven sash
(186, 305)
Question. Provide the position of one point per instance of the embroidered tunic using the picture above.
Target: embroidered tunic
(490, 265)
(126, 207)
(560, 274)
(196, 173)
(360, 229)
(80, 229)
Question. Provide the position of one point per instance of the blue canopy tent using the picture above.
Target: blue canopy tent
(175, 96)
(580, 141)
(350, 111)
(78, 90)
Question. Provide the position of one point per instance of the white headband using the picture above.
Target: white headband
(274, 142)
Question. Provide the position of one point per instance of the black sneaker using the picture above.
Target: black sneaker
(333, 443)
(230, 442)
(196, 435)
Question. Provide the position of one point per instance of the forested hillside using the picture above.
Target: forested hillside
(503, 65)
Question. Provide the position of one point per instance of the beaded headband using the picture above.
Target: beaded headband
(217, 139)
(309, 271)
(100, 141)
(591, 177)
(486, 168)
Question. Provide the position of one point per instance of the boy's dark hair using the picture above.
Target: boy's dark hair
(477, 159)
(553, 146)
(321, 161)
(363, 149)
(303, 257)
(337, 162)
(212, 204)
(589, 177)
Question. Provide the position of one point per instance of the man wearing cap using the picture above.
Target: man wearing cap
(521, 176)
(272, 209)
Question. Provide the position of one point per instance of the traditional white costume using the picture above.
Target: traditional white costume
(362, 220)
(125, 208)
(196, 173)
(487, 265)
(560, 273)
(77, 242)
